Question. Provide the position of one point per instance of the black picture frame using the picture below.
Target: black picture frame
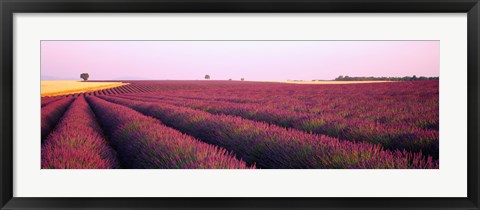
(9, 7)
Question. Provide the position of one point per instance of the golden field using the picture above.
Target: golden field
(63, 87)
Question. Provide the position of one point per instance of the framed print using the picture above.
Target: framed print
(239, 105)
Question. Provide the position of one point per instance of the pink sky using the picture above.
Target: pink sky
(253, 60)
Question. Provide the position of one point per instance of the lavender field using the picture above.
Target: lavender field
(243, 125)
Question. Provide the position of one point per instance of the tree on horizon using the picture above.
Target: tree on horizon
(207, 76)
(84, 76)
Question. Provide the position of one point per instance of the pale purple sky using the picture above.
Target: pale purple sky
(253, 60)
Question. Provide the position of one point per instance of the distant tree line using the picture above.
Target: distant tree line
(406, 78)
(208, 77)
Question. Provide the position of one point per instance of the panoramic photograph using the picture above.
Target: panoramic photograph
(240, 104)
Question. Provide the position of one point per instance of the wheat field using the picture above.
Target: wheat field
(63, 87)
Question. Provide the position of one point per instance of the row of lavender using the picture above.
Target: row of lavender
(77, 141)
(270, 146)
(400, 136)
(397, 102)
(406, 129)
(417, 107)
(415, 103)
(144, 142)
(135, 141)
